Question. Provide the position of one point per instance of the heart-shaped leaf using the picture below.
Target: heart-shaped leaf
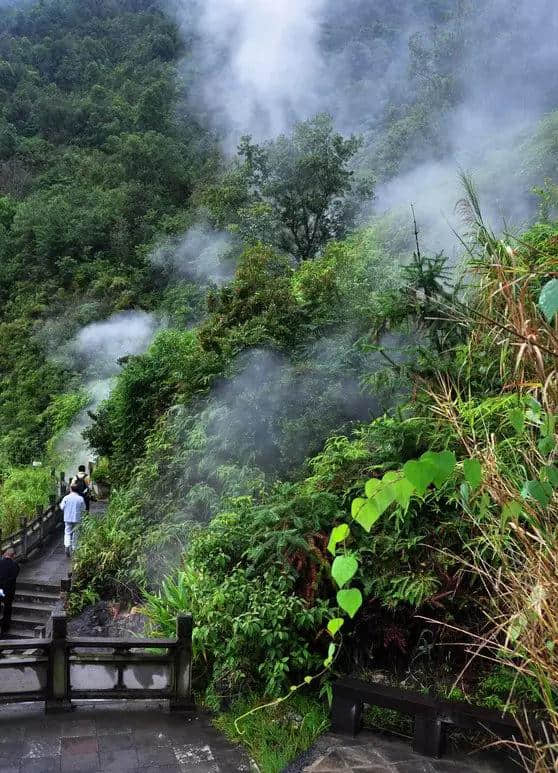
(534, 489)
(338, 534)
(368, 515)
(419, 474)
(473, 472)
(381, 492)
(443, 464)
(548, 299)
(371, 487)
(356, 505)
(403, 491)
(334, 625)
(350, 600)
(344, 569)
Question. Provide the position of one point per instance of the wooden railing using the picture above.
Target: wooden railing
(62, 668)
(35, 532)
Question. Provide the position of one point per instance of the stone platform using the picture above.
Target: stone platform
(379, 753)
(113, 738)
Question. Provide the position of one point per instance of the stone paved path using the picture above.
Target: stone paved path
(51, 565)
(122, 737)
(113, 738)
(377, 753)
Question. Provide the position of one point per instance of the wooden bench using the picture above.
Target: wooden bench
(431, 715)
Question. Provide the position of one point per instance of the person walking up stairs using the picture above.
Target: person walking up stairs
(73, 506)
(84, 485)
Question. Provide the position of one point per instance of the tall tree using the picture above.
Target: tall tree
(304, 185)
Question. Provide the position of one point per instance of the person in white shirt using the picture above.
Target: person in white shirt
(73, 506)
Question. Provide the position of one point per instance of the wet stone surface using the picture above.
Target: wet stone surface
(377, 753)
(124, 738)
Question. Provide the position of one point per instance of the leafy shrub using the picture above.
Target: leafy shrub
(101, 471)
(21, 490)
(250, 630)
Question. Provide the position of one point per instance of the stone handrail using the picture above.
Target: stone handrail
(35, 532)
(62, 668)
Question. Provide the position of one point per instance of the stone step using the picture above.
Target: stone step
(23, 596)
(26, 621)
(38, 611)
(26, 586)
(16, 632)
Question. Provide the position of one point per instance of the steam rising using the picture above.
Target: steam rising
(202, 254)
(258, 62)
(95, 351)
(260, 66)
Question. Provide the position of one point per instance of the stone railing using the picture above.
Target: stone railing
(36, 531)
(62, 668)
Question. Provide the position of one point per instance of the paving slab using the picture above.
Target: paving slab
(152, 740)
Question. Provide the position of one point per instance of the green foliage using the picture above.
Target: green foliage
(101, 471)
(247, 466)
(175, 362)
(250, 631)
(108, 550)
(277, 736)
(21, 490)
(503, 688)
(548, 300)
(294, 192)
(93, 163)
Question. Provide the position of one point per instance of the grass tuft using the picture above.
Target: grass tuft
(276, 736)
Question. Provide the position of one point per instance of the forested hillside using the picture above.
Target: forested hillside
(326, 418)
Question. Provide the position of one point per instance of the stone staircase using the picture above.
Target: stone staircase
(34, 603)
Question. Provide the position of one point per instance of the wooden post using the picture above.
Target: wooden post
(181, 699)
(24, 539)
(58, 667)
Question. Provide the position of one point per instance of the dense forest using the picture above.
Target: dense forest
(327, 419)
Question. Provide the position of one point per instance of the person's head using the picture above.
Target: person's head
(74, 488)
(10, 553)
(81, 468)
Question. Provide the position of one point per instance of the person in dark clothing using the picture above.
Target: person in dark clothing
(83, 483)
(9, 571)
